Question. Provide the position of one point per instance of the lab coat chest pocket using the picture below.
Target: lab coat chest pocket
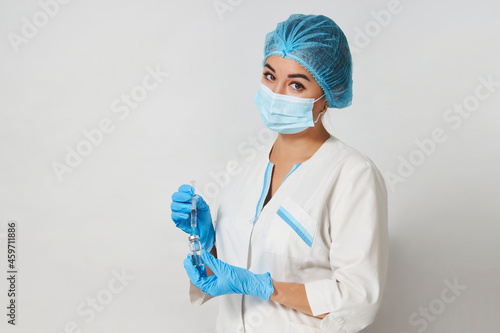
(291, 232)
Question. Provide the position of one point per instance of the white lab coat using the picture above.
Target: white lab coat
(325, 227)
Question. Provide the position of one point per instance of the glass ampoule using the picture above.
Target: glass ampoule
(195, 249)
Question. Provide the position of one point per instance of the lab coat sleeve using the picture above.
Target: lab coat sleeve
(359, 250)
(196, 296)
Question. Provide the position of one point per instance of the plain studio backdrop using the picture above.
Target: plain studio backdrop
(107, 107)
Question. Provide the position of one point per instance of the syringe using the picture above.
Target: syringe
(194, 243)
(194, 212)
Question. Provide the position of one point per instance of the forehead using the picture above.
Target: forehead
(286, 66)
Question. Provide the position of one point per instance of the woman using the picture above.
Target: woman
(301, 232)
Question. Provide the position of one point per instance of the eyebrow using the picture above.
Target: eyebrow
(291, 76)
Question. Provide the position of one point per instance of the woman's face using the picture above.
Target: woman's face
(287, 77)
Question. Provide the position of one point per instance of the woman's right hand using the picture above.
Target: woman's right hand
(181, 215)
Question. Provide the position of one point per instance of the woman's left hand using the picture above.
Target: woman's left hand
(228, 279)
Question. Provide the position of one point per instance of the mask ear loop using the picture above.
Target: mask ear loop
(317, 99)
(322, 112)
(319, 115)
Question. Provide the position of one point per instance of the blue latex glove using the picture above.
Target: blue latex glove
(228, 279)
(181, 215)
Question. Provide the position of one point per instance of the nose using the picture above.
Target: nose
(279, 88)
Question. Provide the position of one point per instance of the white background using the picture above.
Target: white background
(112, 211)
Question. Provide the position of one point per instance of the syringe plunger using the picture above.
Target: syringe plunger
(194, 212)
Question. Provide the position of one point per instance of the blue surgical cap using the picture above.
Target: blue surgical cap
(320, 46)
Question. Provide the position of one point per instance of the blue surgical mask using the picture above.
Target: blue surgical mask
(285, 114)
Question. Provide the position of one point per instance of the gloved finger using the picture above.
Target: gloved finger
(186, 228)
(216, 265)
(204, 283)
(181, 197)
(179, 217)
(209, 286)
(180, 207)
(186, 188)
(191, 271)
(184, 194)
(201, 205)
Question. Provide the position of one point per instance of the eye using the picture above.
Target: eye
(269, 76)
(297, 86)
